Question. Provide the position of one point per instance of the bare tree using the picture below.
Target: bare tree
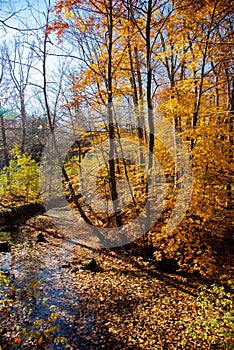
(20, 62)
(4, 85)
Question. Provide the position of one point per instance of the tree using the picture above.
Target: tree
(4, 83)
(20, 65)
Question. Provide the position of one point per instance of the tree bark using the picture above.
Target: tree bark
(4, 141)
(113, 189)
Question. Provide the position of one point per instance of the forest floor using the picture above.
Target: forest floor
(50, 301)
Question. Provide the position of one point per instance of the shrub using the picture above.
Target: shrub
(214, 321)
(21, 178)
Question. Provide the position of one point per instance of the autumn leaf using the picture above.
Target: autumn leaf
(40, 341)
(17, 340)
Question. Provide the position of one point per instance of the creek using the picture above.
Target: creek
(39, 300)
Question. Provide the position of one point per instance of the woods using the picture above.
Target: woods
(117, 116)
(162, 59)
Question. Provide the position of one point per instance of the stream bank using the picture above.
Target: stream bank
(13, 216)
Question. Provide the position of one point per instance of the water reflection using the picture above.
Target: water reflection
(46, 301)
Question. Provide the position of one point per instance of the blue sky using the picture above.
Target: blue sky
(19, 18)
(19, 14)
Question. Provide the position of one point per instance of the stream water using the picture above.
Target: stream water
(45, 301)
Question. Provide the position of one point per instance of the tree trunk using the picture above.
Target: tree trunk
(140, 111)
(150, 121)
(113, 189)
(4, 141)
(23, 115)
